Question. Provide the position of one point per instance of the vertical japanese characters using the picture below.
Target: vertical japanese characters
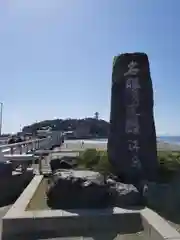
(132, 148)
(132, 127)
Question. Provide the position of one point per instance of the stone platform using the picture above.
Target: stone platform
(20, 223)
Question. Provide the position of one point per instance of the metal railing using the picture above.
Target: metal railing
(26, 146)
(32, 145)
(29, 153)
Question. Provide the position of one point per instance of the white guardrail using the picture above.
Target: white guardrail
(26, 147)
(31, 145)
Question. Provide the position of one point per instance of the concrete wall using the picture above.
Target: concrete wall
(49, 223)
(157, 228)
(13, 186)
(40, 193)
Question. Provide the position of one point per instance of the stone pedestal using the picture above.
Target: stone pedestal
(132, 138)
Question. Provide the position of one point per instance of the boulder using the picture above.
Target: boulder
(77, 189)
(88, 189)
(110, 182)
(123, 195)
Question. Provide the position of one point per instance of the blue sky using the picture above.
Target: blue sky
(56, 57)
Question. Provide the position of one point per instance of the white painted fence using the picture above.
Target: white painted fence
(25, 150)
(25, 147)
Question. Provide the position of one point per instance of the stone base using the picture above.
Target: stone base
(52, 223)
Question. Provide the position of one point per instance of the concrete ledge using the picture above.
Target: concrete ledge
(50, 223)
(60, 222)
(24, 199)
(157, 228)
(41, 223)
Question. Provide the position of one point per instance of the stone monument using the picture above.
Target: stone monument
(132, 137)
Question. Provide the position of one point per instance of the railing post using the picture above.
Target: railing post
(11, 150)
(33, 161)
(31, 146)
(27, 148)
(1, 155)
(23, 168)
(38, 144)
(34, 146)
(40, 165)
(20, 149)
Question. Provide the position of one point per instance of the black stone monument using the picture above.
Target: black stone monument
(132, 138)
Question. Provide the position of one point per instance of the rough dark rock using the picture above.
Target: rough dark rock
(87, 189)
(77, 189)
(124, 195)
(110, 182)
(131, 149)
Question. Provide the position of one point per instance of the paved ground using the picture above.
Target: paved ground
(76, 145)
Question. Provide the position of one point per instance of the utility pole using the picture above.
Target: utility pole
(1, 114)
